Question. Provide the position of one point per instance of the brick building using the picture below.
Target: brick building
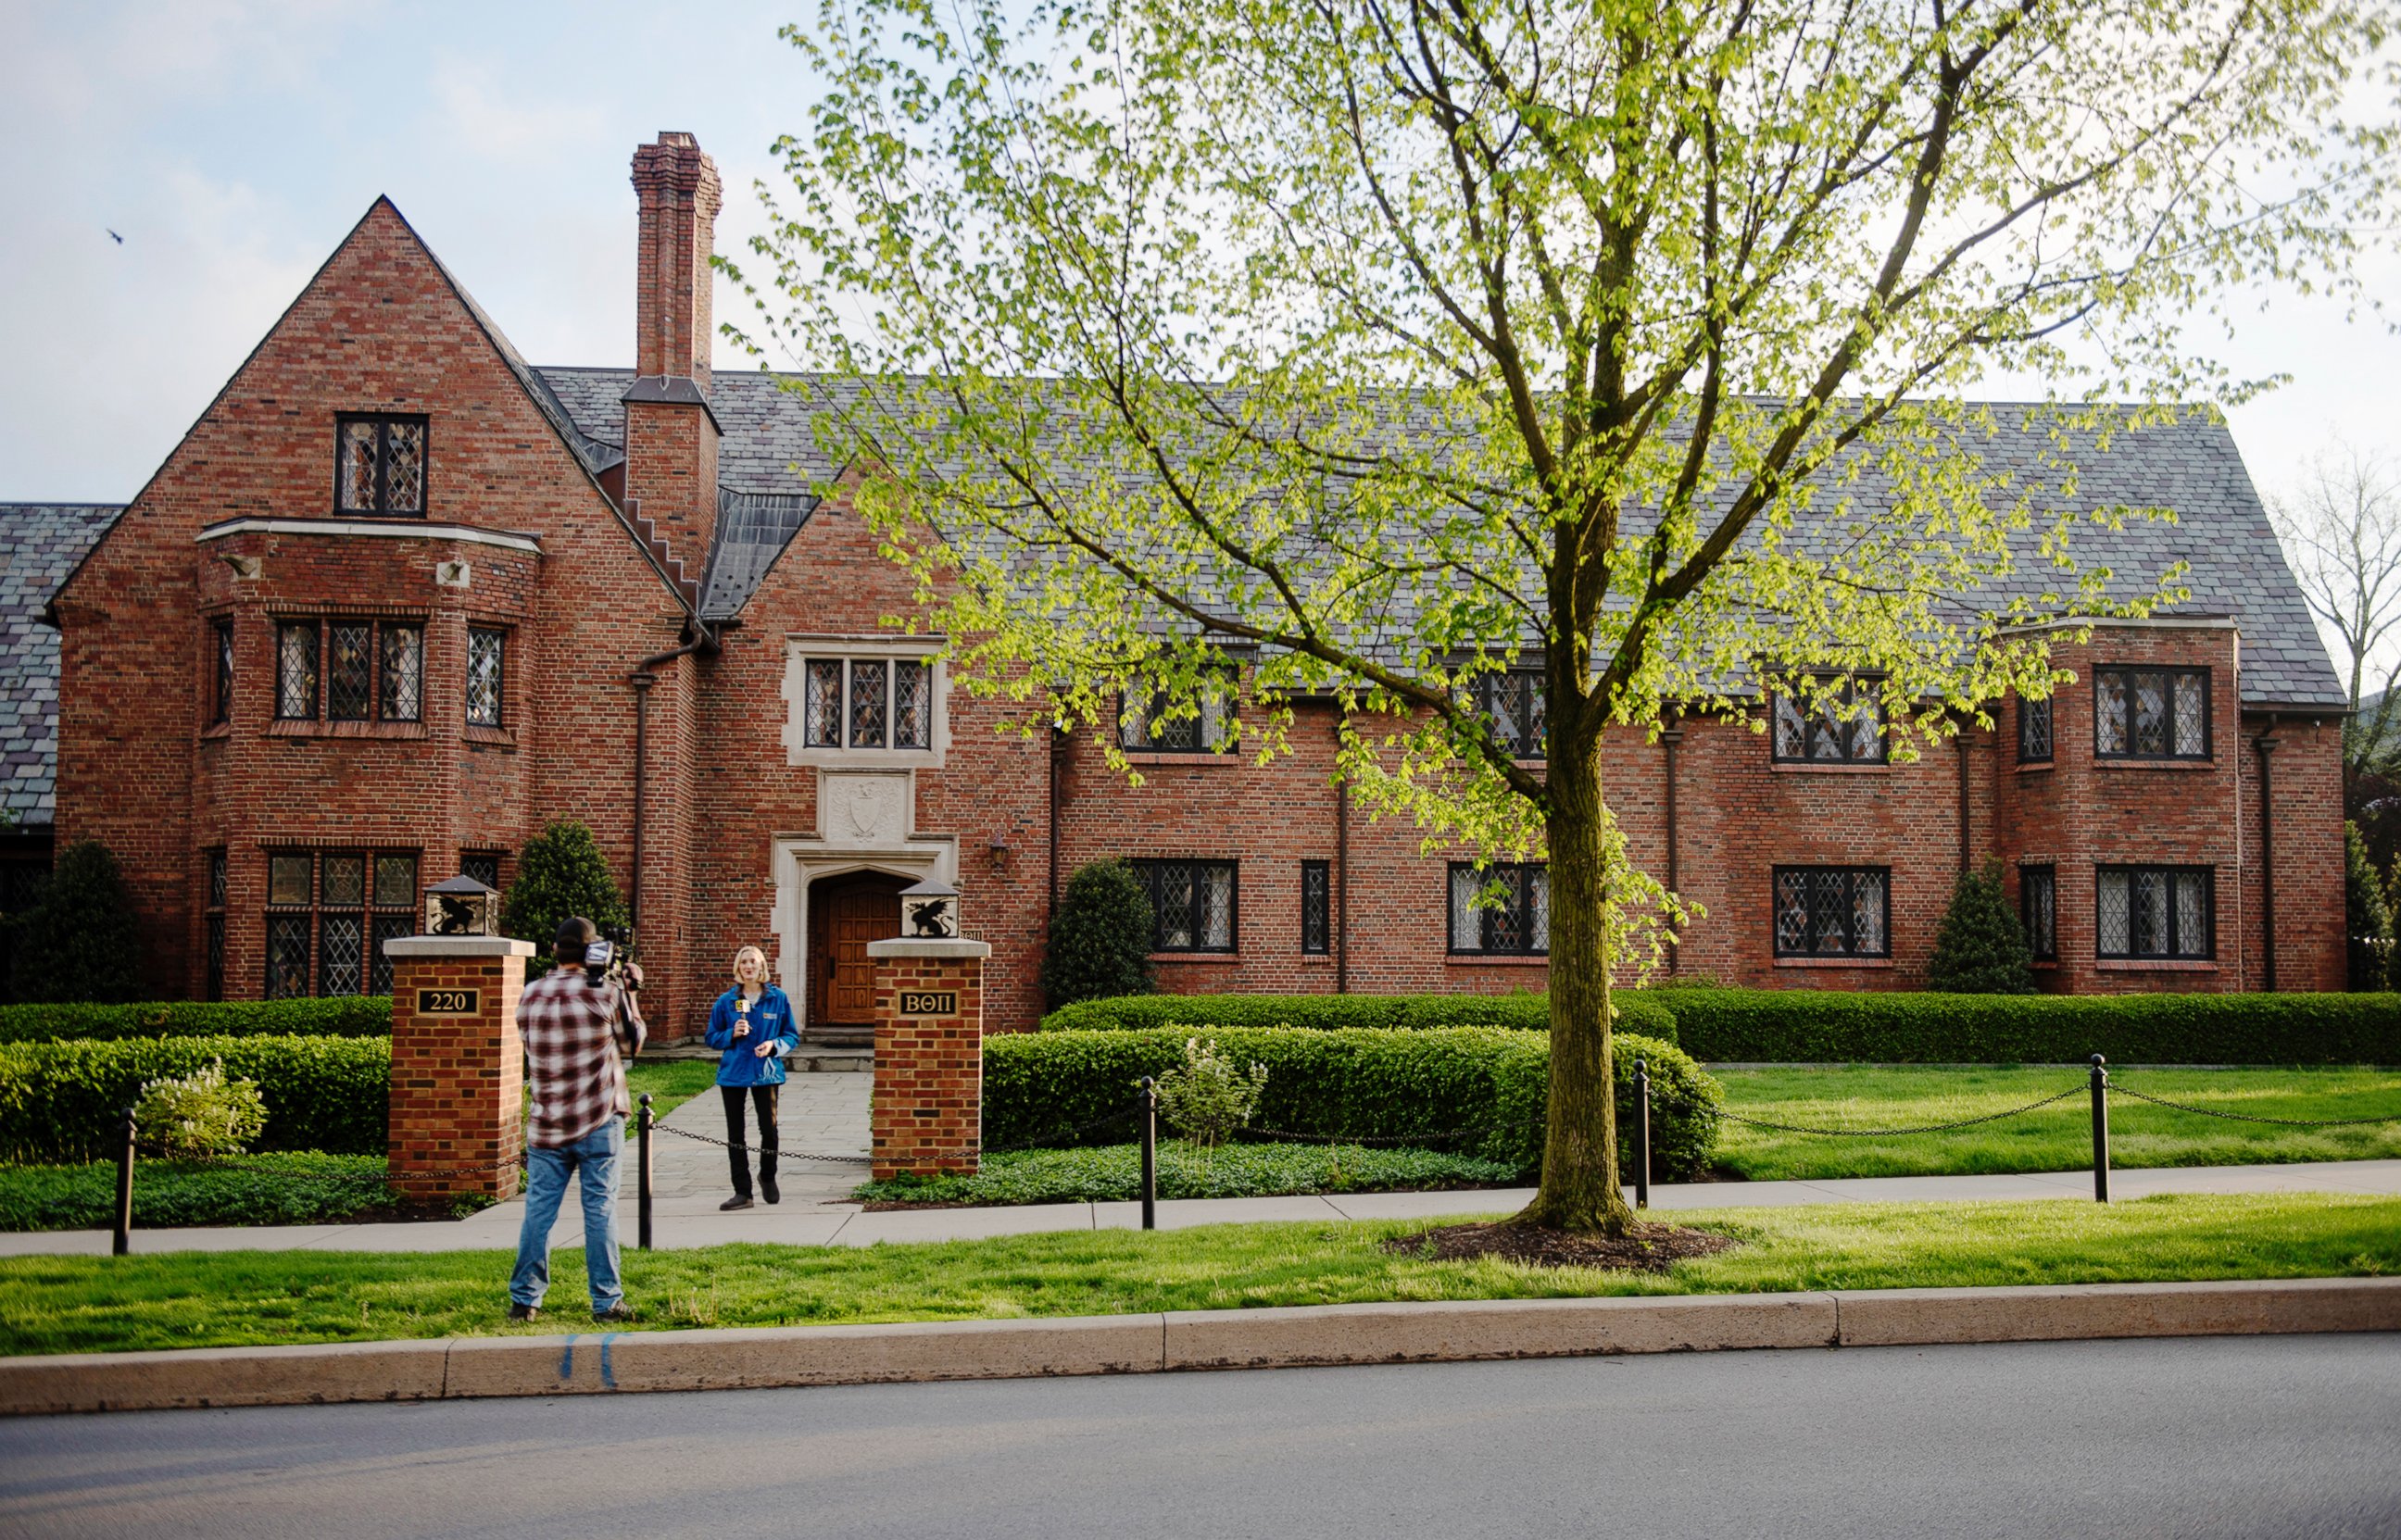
(399, 598)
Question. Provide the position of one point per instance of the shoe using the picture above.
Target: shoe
(616, 1314)
(767, 1189)
(523, 1311)
(739, 1200)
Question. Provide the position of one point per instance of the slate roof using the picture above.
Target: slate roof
(40, 543)
(2235, 567)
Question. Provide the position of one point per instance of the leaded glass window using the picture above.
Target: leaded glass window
(1847, 727)
(913, 704)
(214, 923)
(486, 676)
(1514, 705)
(402, 697)
(295, 671)
(1833, 911)
(2151, 712)
(871, 703)
(483, 866)
(1191, 905)
(2155, 912)
(1148, 723)
(867, 704)
(348, 904)
(368, 669)
(1502, 909)
(349, 671)
(380, 466)
(1316, 906)
(221, 683)
(2033, 731)
(2038, 908)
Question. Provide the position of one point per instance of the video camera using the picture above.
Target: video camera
(610, 959)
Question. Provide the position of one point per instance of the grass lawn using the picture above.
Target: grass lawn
(284, 1189)
(670, 1082)
(1113, 1174)
(2059, 1138)
(67, 1304)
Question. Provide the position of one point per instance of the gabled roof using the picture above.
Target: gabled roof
(40, 543)
(2235, 567)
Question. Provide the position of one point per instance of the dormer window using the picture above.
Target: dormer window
(1145, 727)
(379, 466)
(1514, 705)
(1847, 727)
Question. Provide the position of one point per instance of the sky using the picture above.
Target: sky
(232, 143)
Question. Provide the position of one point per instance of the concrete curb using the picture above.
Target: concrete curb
(1434, 1332)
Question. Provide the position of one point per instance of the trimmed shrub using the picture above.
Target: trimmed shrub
(560, 874)
(1488, 1085)
(1635, 1012)
(78, 942)
(1100, 938)
(1823, 1027)
(1981, 946)
(66, 1101)
(349, 1015)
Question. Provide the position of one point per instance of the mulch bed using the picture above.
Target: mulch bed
(1644, 1249)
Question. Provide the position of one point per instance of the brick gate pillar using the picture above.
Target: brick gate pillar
(928, 1054)
(457, 1065)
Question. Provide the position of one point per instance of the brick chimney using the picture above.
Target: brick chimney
(670, 432)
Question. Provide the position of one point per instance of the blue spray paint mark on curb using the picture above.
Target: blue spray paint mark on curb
(567, 1359)
(606, 1377)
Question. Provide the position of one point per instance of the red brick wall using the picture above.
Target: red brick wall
(928, 1109)
(378, 329)
(458, 1082)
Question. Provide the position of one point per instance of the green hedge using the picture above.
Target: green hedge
(66, 1101)
(1824, 1027)
(1333, 1013)
(352, 1016)
(1351, 1083)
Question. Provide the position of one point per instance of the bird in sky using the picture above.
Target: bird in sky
(113, 235)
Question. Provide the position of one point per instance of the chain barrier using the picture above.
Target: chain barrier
(781, 1153)
(2124, 1090)
(1892, 1133)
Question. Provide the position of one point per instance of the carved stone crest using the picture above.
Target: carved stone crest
(866, 809)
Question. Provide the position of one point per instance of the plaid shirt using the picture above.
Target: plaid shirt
(574, 1066)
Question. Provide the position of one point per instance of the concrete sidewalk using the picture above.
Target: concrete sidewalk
(812, 1214)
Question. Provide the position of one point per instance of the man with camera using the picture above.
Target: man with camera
(580, 1024)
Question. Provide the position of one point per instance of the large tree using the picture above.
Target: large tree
(2341, 528)
(1374, 347)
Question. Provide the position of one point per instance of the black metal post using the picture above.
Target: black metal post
(1642, 1134)
(2100, 1129)
(123, 1244)
(642, 1170)
(1147, 1121)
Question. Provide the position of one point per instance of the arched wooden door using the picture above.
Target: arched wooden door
(846, 913)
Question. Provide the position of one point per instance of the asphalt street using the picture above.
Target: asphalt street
(2265, 1437)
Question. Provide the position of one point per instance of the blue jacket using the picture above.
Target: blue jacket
(771, 1021)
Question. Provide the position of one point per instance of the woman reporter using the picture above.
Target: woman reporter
(752, 1026)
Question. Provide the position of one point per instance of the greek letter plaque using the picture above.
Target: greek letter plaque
(929, 1003)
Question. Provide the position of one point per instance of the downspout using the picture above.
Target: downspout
(1671, 740)
(1342, 887)
(642, 679)
(1059, 744)
(1962, 741)
(2267, 747)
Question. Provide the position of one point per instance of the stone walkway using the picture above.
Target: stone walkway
(826, 1114)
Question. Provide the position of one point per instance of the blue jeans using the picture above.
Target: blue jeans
(594, 1157)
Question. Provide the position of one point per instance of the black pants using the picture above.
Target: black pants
(762, 1098)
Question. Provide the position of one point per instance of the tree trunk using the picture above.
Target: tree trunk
(1580, 1189)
